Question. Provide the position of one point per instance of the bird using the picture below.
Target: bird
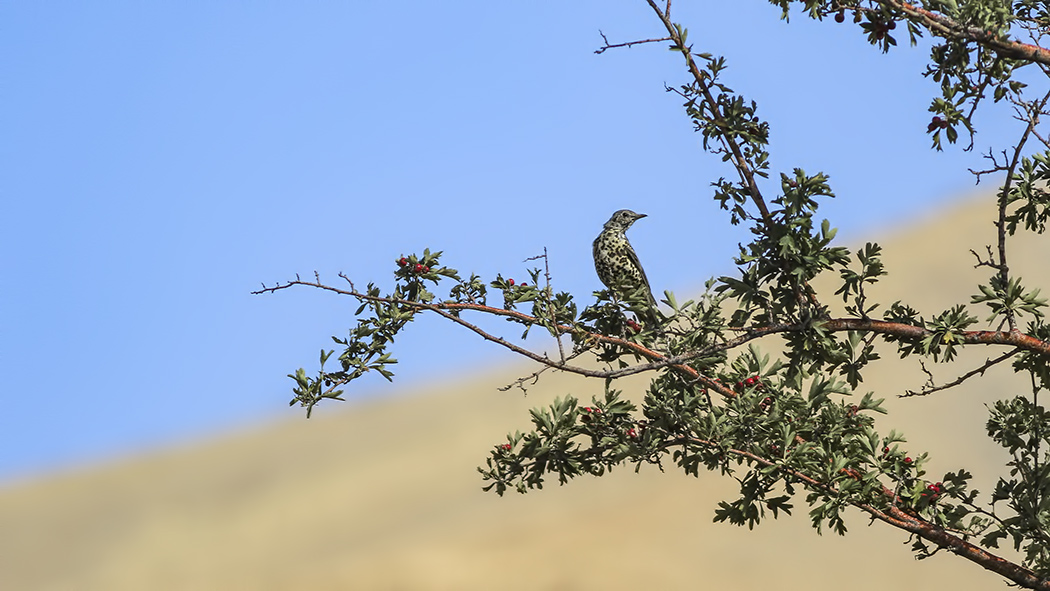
(617, 264)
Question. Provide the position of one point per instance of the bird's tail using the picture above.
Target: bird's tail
(652, 316)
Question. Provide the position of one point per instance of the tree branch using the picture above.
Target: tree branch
(908, 522)
(449, 311)
(739, 160)
(658, 360)
(969, 337)
(609, 46)
(1004, 201)
(947, 27)
(977, 371)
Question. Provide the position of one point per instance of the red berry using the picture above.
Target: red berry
(907, 460)
(892, 25)
(524, 284)
(426, 269)
(505, 447)
(840, 17)
(401, 262)
(510, 282)
(885, 450)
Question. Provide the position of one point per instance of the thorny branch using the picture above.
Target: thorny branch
(657, 360)
(607, 46)
(446, 309)
(930, 388)
(547, 292)
(905, 520)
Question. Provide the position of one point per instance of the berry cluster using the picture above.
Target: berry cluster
(588, 413)
(886, 452)
(933, 491)
(593, 414)
(753, 381)
(935, 124)
(417, 268)
(880, 29)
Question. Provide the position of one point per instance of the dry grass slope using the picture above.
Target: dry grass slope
(383, 495)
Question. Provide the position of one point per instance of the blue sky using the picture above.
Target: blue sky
(161, 160)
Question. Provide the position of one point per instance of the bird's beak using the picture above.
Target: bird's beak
(639, 216)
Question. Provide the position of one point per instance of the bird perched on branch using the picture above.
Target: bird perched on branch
(617, 264)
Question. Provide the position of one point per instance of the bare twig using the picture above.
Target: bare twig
(520, 382)
(550, 303)
(985, 263)
(976, 371)
(996, 167)
(608, 45)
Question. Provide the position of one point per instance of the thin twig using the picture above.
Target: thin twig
(977, 371)
(1004, 201)
(608, 45)
(550, 303)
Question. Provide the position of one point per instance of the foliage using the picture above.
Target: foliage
(797, 428)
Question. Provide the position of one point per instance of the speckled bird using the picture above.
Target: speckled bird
(617, 264)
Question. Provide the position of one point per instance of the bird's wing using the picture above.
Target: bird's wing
(638, 264)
